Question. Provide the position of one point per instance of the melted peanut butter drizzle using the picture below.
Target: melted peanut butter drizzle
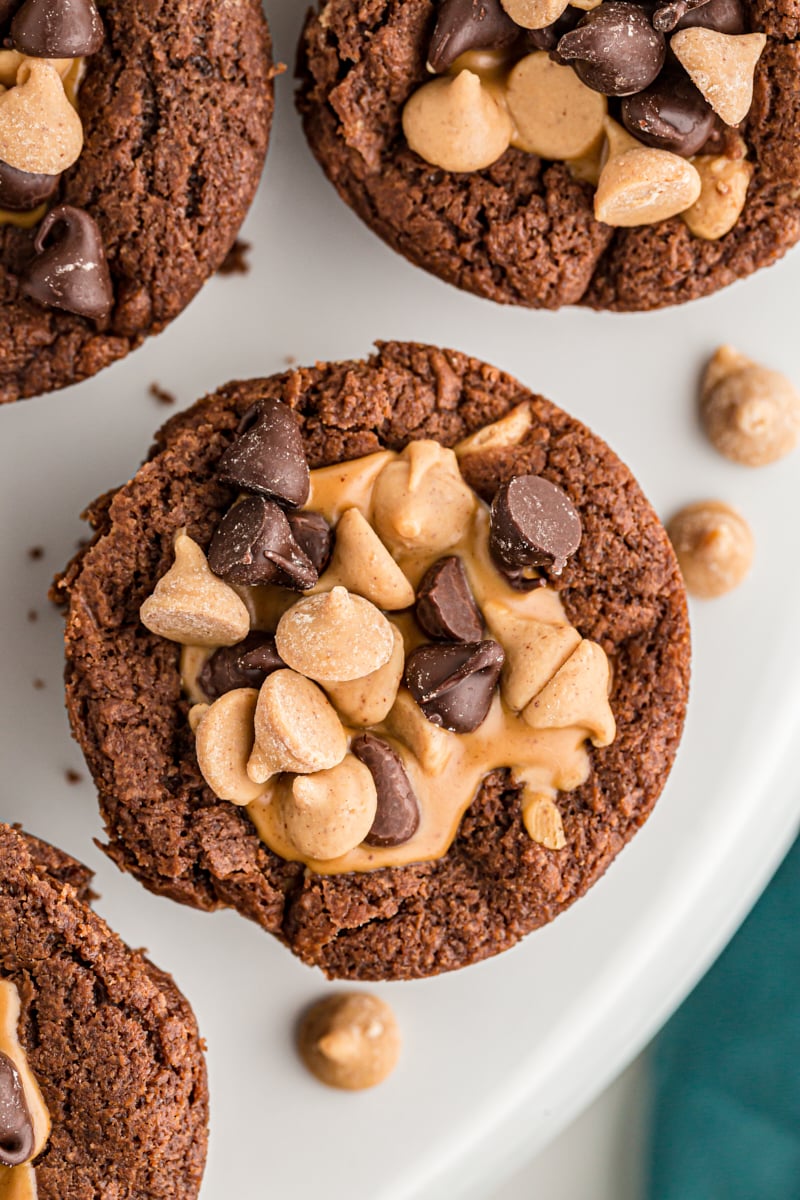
(19, 1183)
(445, 769)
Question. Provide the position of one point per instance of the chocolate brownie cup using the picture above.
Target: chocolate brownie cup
(175, 106)
(102, 1077)
(523, 230)
(495, 881)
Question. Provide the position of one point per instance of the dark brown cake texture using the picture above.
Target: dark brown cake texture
(523, 231)
(109, 1038)
(176, 108)
(622, 589)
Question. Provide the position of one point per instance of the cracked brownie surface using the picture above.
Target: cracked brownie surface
(176, 108)
(523, 230)
(622, 589)
(111, 1041)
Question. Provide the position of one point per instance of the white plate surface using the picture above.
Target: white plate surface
(499, 1056)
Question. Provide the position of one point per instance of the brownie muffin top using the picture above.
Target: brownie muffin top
(622, 589)
(523, 230)
(176, 107)
(109, 1040)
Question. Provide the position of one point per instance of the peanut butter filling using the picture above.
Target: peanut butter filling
(400, 514)
(19, 1182)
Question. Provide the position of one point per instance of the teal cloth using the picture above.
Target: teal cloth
(726, 1119)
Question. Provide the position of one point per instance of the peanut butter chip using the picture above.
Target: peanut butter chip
(724, 182)
(508, 431)
(555, 115)
(750, 413)
(330, 812)
(368, 700)
(361, 563)
(534, 652)
(191, 605)
(536, 14)
(334, 637)
(431, 745)
(350, 1041)
(225, 736)
(421, 502)
(40, 131)
(722, 66)
(577, 695)
(543, 820)
(644, 186)
(714, 546)
(296, 729)
(456, 124)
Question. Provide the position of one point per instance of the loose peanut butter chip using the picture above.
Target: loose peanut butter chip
(536, 14)
(368, 700)
(724, 182)
(555, 115)
(224, 742)
(644, 186)
(191, 605)
(535, 651)
(750, 413)
(334, 637)
(332, 811)
(714, 546)
(543, 820)
(40, 131)
(722, 66)
(421, 502)
(456, 124)
(508, 431)
(296, 729)
(362, 564)
(577, 695)
(350, 1041)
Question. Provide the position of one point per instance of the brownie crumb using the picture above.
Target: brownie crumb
(39, 684)
(73, 776)
(290, 360)
(235, 261)
(161, 394)
(35, 553)
(33, 615)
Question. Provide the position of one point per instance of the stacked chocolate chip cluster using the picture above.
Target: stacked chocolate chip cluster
(642, 99)
(344, 684)
(45, 45)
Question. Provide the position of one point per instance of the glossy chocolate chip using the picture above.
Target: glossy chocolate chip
(723, 16)
(253, 544)
(314, 537)
(57, 28)
(69, 271)
(268, 455)
(463, 25)
(454, 685)
(534, 524)
(397, 818)
(245, 665)
(446, 608)
(670, 115)
(16, 1126)
(21, 191)
(614, 49)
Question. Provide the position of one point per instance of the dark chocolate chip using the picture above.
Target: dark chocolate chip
(671, 114)
(21, 191)
(724, 16)
(245, 665)
(397, 818)
(70, 269)
(254, 544)
(57, 28)
(614, 49)
(548, 37)
(454, 685)
(463, 25)
(7, 10)
(268, 455)
(314, 536)
(446, 608)
(534, 524)
(16, 1126)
